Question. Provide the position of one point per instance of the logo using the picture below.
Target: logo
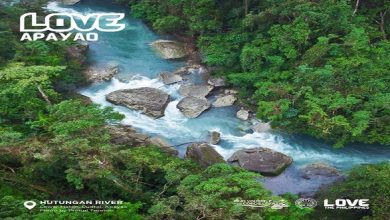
(59, 26)
(306, 203)
(347, 204)
(273, 204)
(29, 204)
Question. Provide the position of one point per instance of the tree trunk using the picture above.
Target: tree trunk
(246, 6)
(356, 7)
(382, 24)
(44, 96)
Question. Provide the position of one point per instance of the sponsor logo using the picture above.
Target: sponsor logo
(306, 203)
(347, 204)
(273, 204)
(64, 26)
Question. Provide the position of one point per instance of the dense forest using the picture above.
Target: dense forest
(314, 67)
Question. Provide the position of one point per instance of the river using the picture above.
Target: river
(140, 66)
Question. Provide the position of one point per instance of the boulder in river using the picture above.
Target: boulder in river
(318, 170)
(170, 78)
(150, 101)
(197, 91)
(169, 49)
(70, 2)
(216, 82)
(203, 154)
(262, 160)
(243, 115)
(192, 107)
(225, 101)
(215, 137)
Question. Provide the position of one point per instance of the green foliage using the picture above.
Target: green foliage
(212, 193)
(19, 91)
(363, 182)
(168, 24)
(129, 212)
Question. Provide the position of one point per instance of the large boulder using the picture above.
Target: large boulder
(70, 2)
(262, 160)
(150, 101)
(318, 170)
(170, 78)
(197, 91)
(215, 137)
(203, 154)
(224, 101)
(192, 107)
(93, 74)
(243, 115)
(170, 49)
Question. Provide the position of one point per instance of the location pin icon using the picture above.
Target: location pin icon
(29, 204)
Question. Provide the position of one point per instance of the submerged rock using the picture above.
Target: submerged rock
(170, 78)
(203, 154)
(197, 91)
(170, 49)
(182, 71)
(243, 115)
(225, 101)
(318, 170)
(150, 101)
(192, 107)
(262, 160)
(215, 137)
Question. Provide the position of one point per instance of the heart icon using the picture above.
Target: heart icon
(29, 204)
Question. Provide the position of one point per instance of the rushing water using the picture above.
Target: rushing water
(140, 67)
